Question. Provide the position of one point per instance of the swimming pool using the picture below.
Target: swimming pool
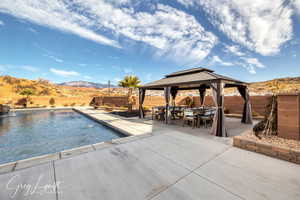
(34, 133)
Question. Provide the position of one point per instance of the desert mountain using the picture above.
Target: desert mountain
(86, 84)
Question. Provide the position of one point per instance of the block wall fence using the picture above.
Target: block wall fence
(288, 116)
(233, 103)
(288, 108)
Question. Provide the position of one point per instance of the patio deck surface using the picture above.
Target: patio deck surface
(172, 163)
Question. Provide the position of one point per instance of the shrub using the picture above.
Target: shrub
(9, 102)
(146, 108)
(66, 105)
(73, 104)
(27, 92)
(226, 111)
(22, 102)
(255, 114)
(52, 101)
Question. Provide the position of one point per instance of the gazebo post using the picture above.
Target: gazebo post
(218, 128)
(202, 91)
(167, 91)
(247, 111)
(142, 93)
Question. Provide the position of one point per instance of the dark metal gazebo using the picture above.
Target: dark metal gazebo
(200, 79)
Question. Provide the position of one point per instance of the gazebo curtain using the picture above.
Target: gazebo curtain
(202, 91)
(167, 91)
(141, 101)
(247, 113)
(174, 92)
(218, 127)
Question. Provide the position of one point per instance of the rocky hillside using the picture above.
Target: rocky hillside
(11, 87)
(289, 84)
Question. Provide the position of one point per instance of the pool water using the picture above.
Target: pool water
(34, 133)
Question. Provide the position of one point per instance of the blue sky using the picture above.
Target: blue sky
(101, 40)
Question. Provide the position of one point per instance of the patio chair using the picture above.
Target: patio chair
(176, 112)
(207, 118)
(155, 113)
(189, 116)
(161, 114)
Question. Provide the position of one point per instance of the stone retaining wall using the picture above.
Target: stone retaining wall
(267, 149)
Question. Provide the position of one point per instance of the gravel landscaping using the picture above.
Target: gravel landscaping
(274, 140)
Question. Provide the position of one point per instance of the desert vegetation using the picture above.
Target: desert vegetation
(131, 83)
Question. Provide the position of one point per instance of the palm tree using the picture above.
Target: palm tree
(130, 82)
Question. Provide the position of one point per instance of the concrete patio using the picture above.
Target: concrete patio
(170, 162)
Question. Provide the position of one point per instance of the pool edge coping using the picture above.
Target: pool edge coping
(67, 153)
(9, 167)
(108, 125)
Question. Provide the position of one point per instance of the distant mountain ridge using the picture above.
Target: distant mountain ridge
(86, 84)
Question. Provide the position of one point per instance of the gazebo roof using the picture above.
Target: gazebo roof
(191, 78)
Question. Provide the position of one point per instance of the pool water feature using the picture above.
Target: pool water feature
(35, 133)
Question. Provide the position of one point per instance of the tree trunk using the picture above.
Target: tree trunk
(271, 123)
(129, 100)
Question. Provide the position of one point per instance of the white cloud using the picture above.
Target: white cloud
(63, 72)
(149, 77)
(87, 77)
(254, 61)
(1, 23)
(54, 14)
(218, 60)
(297, 6)
(54, 58)
(127, 70)
(251, 64)
(235, 50)
(33, 30)
(113, 57)
(2, 68)
(260, 25)
(174, 34)
(116, 80)
(30, 68)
